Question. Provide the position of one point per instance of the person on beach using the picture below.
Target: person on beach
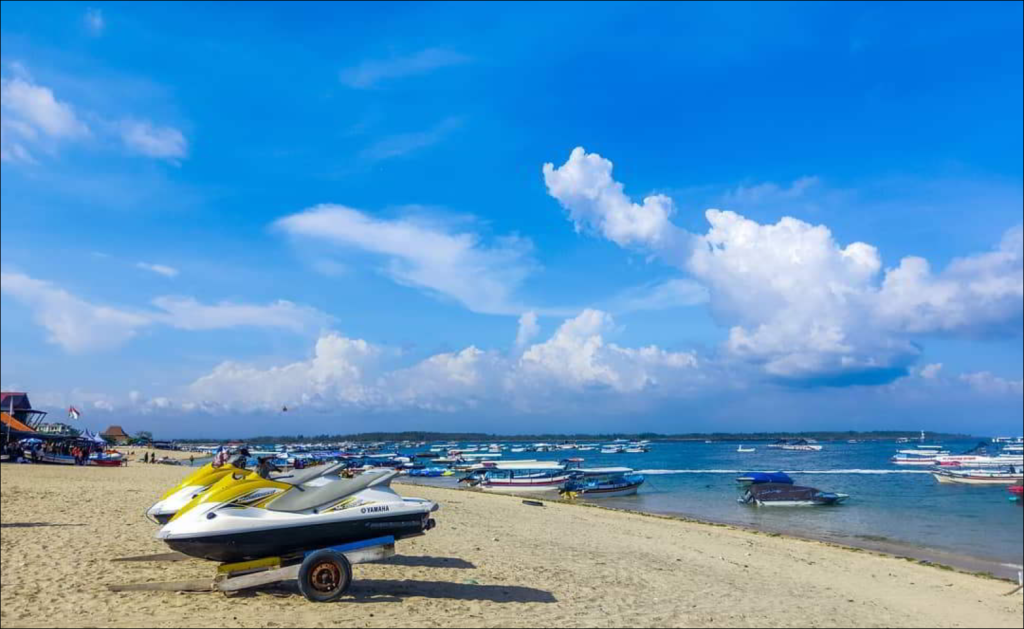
(266, 468)
(242, 460)
(221, 458)
(191, 460)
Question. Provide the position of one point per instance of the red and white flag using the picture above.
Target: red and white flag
(73, 413)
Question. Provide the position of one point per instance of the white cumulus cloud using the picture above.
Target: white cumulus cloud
(575, 363)
(31, 116)
(596, 202)
(528, 329)
(798, 304)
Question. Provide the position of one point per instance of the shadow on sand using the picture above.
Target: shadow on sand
(380, 591)
(35, 525)
(429, 562)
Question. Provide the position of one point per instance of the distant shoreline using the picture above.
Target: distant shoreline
(431, 437)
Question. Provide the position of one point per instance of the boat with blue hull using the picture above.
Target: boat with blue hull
(763, 478)
(608, 482)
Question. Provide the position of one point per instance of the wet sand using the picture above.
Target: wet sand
(492, 562)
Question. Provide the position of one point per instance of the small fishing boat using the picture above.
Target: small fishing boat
(778, 495)
(743, 450)
(525, 477)
(1017, 490)
(796, 445)
(606, 482)
(107, 459)
(1009, 476)
(802, 445)
(764, 478)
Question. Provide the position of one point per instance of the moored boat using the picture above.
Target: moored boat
(981, 457)
(779, 495)
(607, 482)
(764, 478)
(796, 445)
(525, 477)
(979, 477)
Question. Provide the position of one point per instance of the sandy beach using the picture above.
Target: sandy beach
(492, 562)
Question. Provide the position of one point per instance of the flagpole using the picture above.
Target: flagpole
(11, 414)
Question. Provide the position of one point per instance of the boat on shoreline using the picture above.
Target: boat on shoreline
(607, 482)
(780, 495)
(515, 477)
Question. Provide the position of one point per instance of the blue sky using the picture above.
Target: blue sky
(211, 211)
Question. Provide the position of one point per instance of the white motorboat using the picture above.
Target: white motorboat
(515, 477)
(979, 477)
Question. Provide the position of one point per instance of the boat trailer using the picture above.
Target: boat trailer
(323, 575)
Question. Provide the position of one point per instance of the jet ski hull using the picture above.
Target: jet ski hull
(292, 540)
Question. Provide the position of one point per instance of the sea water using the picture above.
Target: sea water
(891, 507)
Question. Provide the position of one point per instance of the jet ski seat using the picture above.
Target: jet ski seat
(298, 478)
(327, 494)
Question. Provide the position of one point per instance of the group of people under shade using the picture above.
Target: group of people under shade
(37, 452)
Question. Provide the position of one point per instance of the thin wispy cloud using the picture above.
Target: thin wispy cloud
(159, 269)
(403, 144)
(459, 265)
(94, 22)
(78, 325)
(372, 72)
(145, 138)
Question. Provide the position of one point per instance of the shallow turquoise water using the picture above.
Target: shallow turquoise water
(888, 503)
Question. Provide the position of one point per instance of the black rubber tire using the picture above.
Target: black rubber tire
(325, 576)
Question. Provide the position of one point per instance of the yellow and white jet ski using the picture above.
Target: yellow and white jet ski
(253, 518)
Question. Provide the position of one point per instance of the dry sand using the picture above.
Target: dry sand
(136, 453)
(492, 562)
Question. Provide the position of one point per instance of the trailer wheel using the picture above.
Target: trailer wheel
(325, 576)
